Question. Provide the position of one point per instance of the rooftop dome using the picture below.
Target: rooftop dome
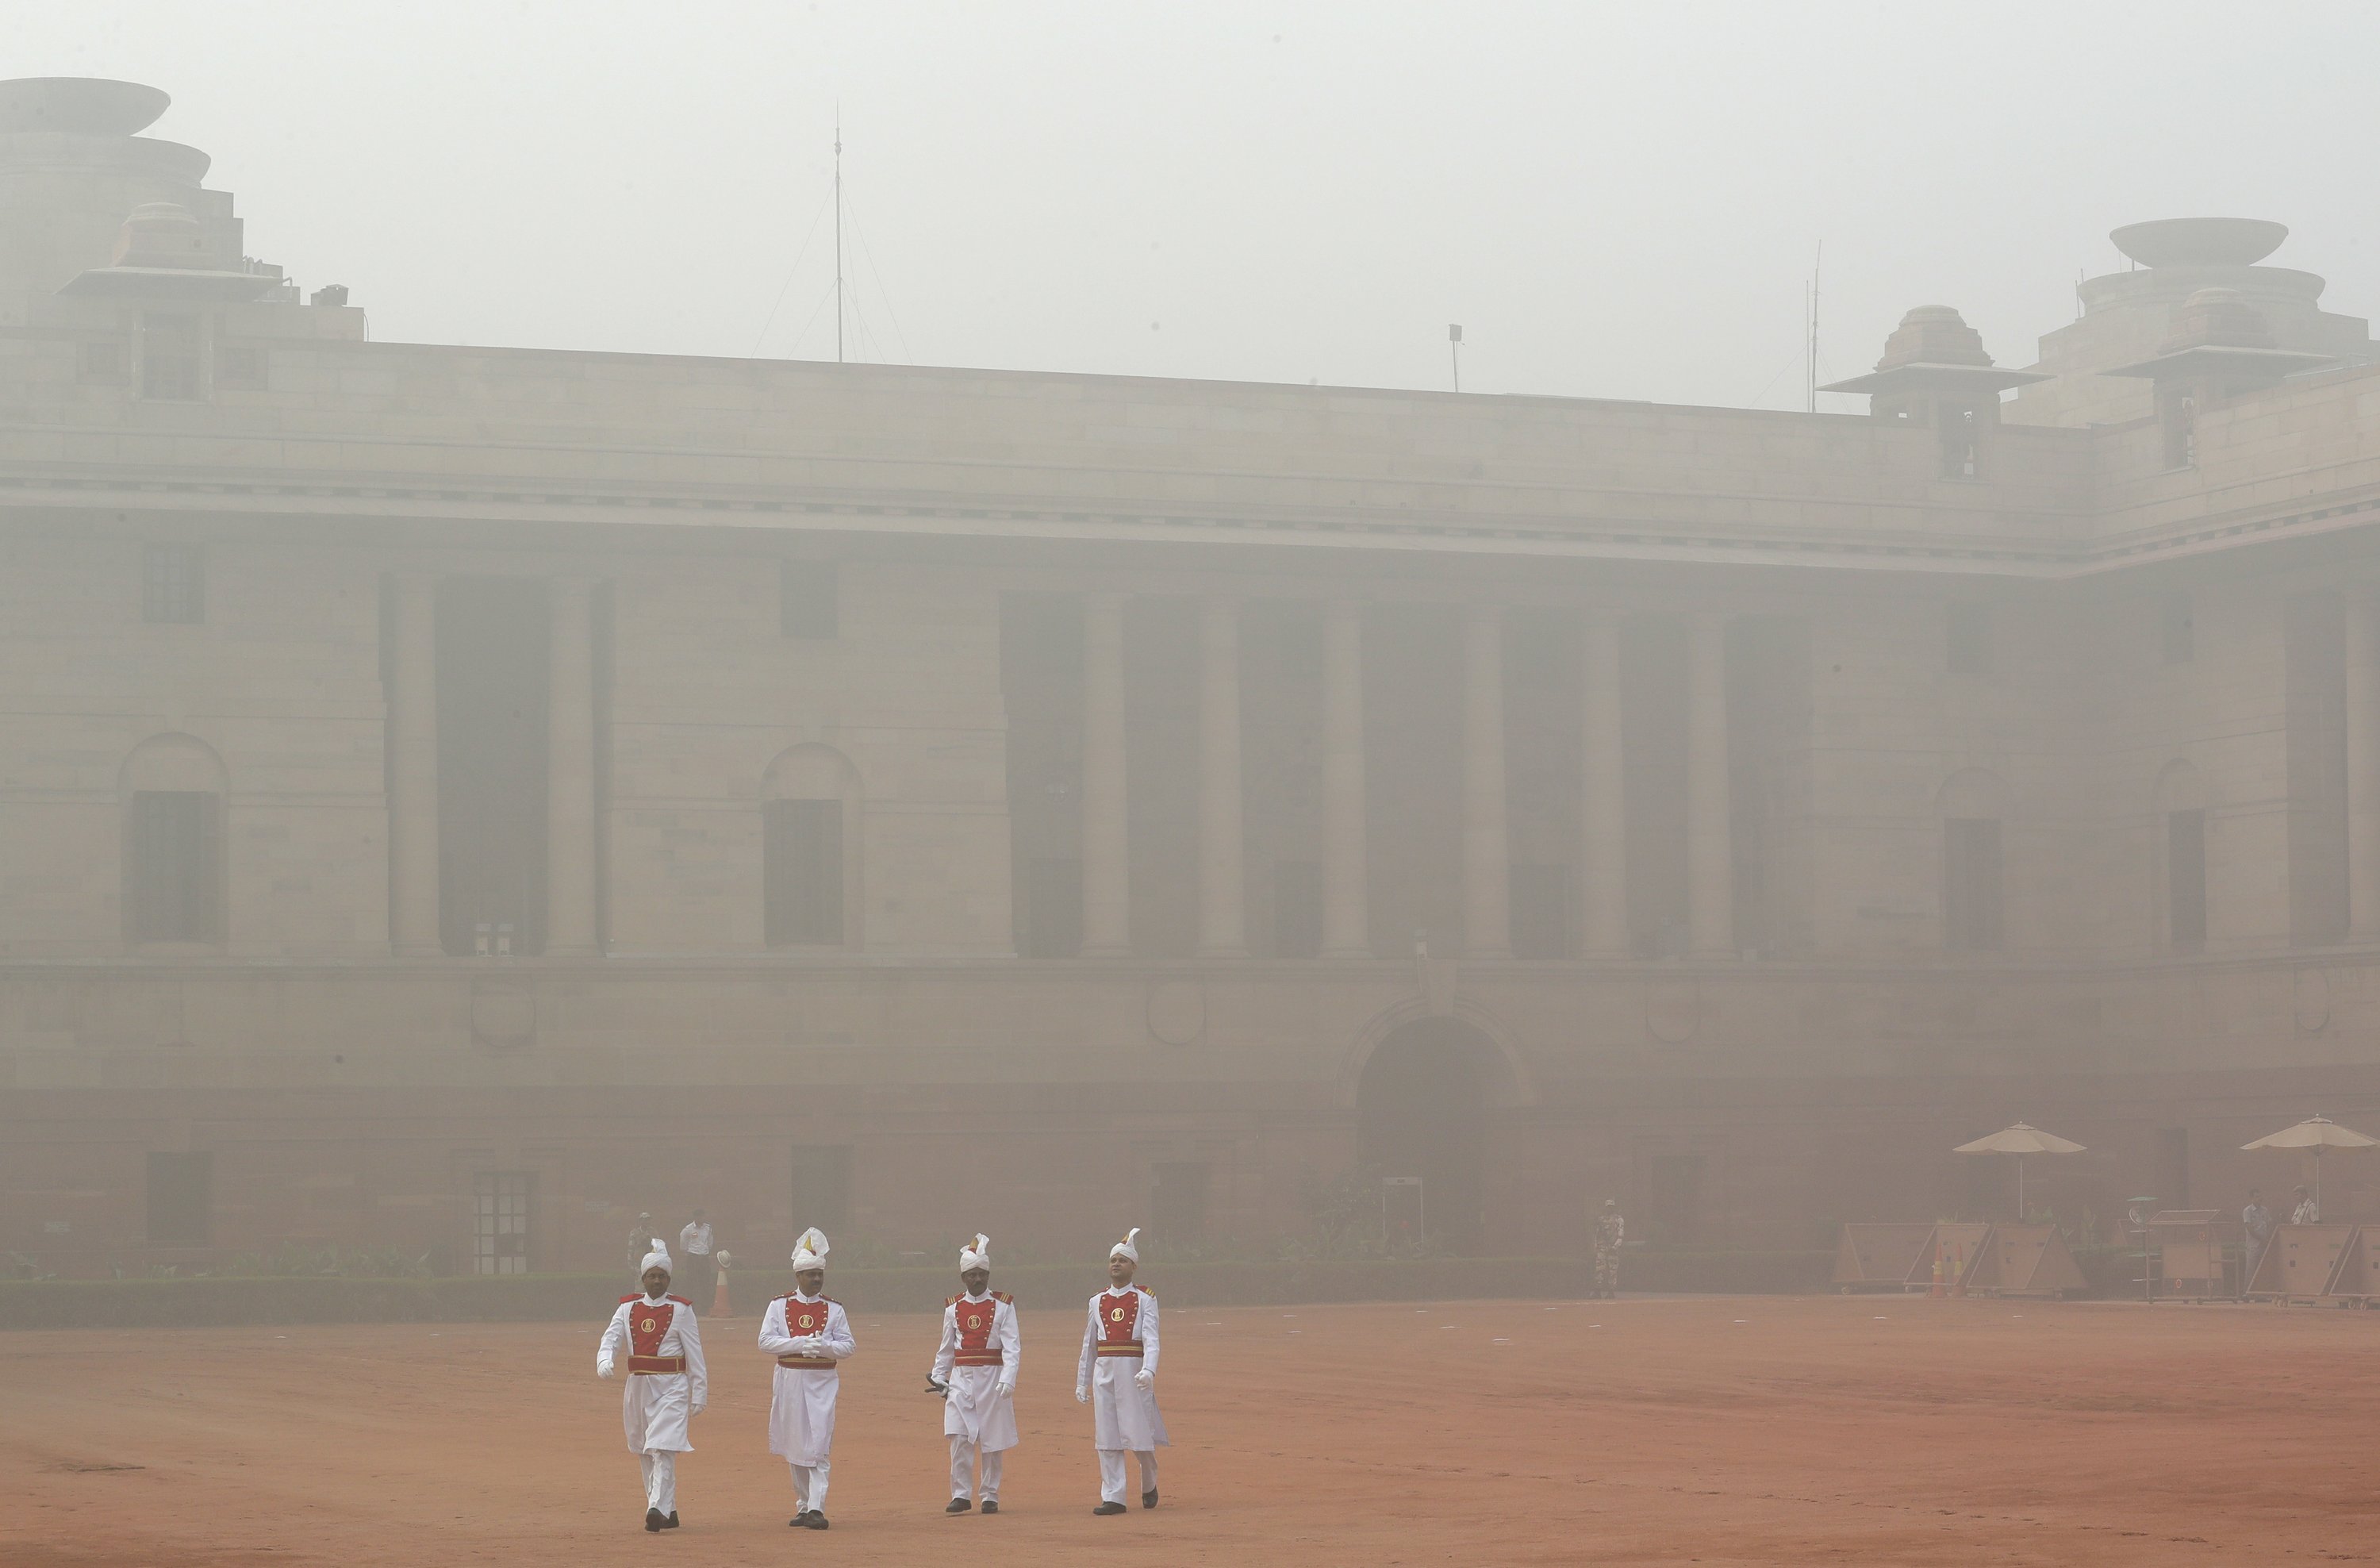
(78, 105)
(1933, 334)
(2199, 242)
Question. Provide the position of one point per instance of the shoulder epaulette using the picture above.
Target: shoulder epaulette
(1145, 1291)
(626, 1299)
(680, 1300)
(1004, 1296)
(952, 1302)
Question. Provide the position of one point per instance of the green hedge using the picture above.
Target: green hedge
(202, 1302)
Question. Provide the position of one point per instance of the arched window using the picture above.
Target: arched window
(1974, 805)
(2182, 823)
(173, 788)
(809, 820)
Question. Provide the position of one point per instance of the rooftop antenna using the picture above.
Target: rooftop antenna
(1811, 379)
(1454, 352)
(838, 233)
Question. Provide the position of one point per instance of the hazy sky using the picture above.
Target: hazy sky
(1614, 201)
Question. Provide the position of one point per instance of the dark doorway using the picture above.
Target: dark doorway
(1421, 1111)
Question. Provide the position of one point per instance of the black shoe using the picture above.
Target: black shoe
(959, 1505)
(1109, 1508)
(992, 1508)
(1149, 1498)
(801, 1519)
(814, 1520)
(654, 1520)
(669, 1523)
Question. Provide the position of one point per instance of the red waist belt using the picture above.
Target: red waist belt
(656, 1363)
(808, 1363)
(1132, 1348)
(976, 1358)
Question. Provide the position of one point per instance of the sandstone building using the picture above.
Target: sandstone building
(443, 789)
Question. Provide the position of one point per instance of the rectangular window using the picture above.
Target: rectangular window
(174, 585)
(103, 359)
(2180, 629)
(1540, 911)
(1054, 908)
(181, 1198)
(802, 874)
(1177, 1209)
(1297, 908)
(175, 886)
(500, 1228)
(169, 357)
(1970, 884)
(822, 1186)
(2185, 879)
(1968, 644)
(806, 599)
(240, 365)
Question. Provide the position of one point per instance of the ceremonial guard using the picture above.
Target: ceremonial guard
(975, 1369)
(1609, 1229)
(655, 1334)
(1117, 1378)
(810, 1337)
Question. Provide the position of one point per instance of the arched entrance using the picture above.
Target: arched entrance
(1421, 1109)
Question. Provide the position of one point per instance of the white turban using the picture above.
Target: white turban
(975, 1256)
(1125, 1249)
(657, 1258)
(811, 1251)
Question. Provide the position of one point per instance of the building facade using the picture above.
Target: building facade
(450, 797)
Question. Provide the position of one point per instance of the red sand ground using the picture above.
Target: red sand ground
(1748, 1431)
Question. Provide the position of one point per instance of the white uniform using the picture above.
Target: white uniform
(656, 1405)
(980, 1415)
(1124, 1414)
(801, 1402)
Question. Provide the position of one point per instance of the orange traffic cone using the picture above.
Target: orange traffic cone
(1959, 1271)
(1936, 1291)
(720, 1306)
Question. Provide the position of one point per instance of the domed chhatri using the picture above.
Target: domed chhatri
(2199, 242)
(79, 106)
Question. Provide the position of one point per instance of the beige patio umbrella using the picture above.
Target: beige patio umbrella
(2020, 1140)
(2316, 1133)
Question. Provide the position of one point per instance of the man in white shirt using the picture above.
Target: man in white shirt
(1117, 1378)
(976, 1367)
(655, 1335)
(810, 1337)
(2307, 1212)
(694, 1246)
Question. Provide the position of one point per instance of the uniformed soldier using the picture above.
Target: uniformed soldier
(1609, 1230)
(810, 1337)
(655, 1334)
(976, 1367)
(1117, 1378)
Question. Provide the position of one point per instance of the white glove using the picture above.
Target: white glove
(603, 1370)
(1082, 1394)
(695, 1411)
(1007, 1390)
(1146, 1380)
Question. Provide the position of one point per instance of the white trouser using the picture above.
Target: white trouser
(660, 1465)
(810, 1487)
(963, 1453)
(1111, 1473)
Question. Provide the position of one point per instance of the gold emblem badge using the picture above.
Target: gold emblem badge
(1115, 1314)
(975, 1320)
(647, 1326)
(806, 1321)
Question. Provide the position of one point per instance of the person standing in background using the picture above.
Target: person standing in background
(640, 1236)
(2257, 1225)
(2307, 1212)
(1610, 1229)
(694, 1246)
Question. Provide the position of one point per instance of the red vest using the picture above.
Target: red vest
(650, 1322)
(975, 1319)
(804, 1319)
(1120, 1322)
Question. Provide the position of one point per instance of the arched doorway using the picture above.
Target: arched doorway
(1421, 1109)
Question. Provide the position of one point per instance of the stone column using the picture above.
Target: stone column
(1223, 901)
(1347, 909)
(1710, 864)
(1486, 852)
(412, 767)
(1107, 887)
(570, 775)
(2363, 769)
(1603, 798)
